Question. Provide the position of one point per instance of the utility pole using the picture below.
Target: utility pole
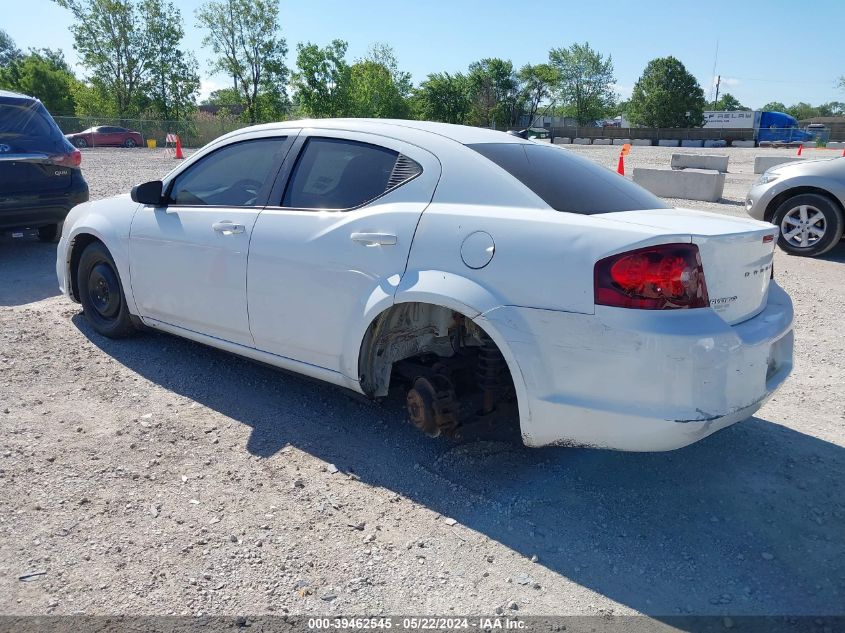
(718, 81)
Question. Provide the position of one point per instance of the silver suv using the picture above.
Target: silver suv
(806, 200)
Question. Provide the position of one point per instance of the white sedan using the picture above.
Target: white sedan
(484, 274)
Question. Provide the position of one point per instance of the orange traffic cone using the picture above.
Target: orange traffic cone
(800, 149)
(620, 167)
(179, 153)
(843, 153)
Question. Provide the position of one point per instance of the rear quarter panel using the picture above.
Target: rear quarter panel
(542, 258)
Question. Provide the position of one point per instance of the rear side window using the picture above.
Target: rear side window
(343, 174)
(567, 182)
(232, 176)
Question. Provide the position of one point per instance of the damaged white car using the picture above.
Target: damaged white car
(484, 274)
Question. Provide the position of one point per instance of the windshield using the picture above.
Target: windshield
(567, 182)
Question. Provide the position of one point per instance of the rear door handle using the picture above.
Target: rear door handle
(374, 239)
(228, 228)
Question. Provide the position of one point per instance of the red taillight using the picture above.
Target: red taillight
(72, 159)
(664, 277)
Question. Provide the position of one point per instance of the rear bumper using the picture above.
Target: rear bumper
(33, 211)
(638, 380)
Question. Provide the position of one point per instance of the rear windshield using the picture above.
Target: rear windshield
(27, 126)
(566, 181)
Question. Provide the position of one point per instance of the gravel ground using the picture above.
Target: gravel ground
(158, 476)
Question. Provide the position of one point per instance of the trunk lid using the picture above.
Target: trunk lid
(736, 253)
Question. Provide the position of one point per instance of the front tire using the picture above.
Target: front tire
(81, 143)
(101, 293)
(810, 224)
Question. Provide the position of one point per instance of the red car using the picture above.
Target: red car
(106, 135)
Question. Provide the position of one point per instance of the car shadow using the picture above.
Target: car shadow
(836, 254)
(27, 269)
(748, 521)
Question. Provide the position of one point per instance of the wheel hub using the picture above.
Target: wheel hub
(432, 406)
(104, 290)
(803, 226)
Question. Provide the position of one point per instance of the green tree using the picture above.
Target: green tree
(248, 47)
(667, 95)
(585, 81)
(494, 93)
(774, 106)
(110, 44)
(224, 97)
(8, 51)
(43, 74)
(832, 108)
(323, 79)
(537, 82)
(443, 97)
(729, 103)
(802, 110)
(373, 92)
(383, 54)
(172, 79)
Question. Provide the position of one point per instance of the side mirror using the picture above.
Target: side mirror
(149, 193)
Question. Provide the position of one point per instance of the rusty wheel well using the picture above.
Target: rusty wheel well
(412, 330)
(778, 200)
(80, 242)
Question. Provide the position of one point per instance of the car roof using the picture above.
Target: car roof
(464, 134)
(17, 96)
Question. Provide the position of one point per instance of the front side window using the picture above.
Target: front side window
(342, 174)
(232, 176)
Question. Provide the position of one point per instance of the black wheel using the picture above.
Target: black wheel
(49, 233)
(810, 224)
(81, 143)
(130, 142)
(101, 293)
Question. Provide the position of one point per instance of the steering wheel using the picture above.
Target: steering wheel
(249, 187)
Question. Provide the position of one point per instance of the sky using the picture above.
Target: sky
(768, 50)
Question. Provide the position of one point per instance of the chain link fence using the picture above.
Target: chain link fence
(689, 134)
(193, 132)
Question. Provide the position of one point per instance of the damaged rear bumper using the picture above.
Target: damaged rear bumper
(640, 380)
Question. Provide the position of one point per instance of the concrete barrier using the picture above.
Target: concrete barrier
(621, 141)
(762, 163)
(641, 142)
(836, 145)
(582, 141)
(563, 140)
(602, 141)
(689, 184)
(668, 143)
(715, 143)
(742, 143)
(692, 143)
(700, 161)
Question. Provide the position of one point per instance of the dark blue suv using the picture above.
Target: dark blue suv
(40, 178)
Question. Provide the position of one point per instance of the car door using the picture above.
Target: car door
(101, 137)
(335, 241)
(188, 259)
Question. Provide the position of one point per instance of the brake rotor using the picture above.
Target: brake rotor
(432, 406)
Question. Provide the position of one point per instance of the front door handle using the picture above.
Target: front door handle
(374, 239)
(228, 228)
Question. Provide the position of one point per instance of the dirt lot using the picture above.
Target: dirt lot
(157, 476)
